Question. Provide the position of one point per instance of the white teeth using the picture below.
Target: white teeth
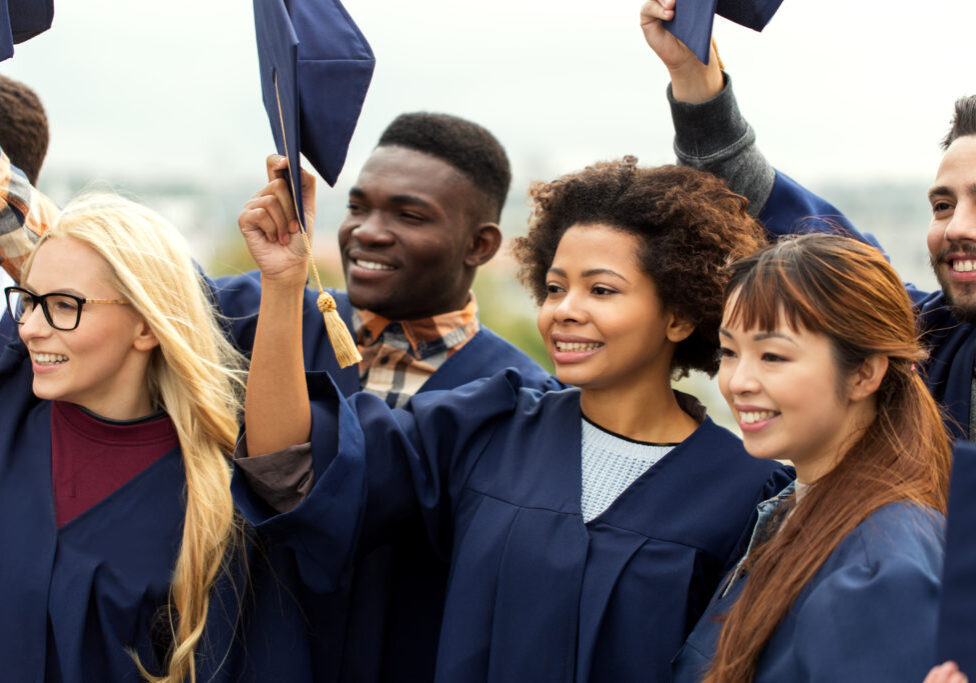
(577, 346)
(961, 266)
(49, 358)
(756, 416)
(372, 265)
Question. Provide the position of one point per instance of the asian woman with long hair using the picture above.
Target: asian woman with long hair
(820, 358)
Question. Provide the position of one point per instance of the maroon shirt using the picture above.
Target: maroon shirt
(92, 457)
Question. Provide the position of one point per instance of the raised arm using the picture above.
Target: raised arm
(276, 408)
(710, 132)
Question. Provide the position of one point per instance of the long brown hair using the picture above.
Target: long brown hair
(847, 291)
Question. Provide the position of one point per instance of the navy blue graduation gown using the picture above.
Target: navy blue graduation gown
(957, 608)
(492, 471)
(792, 208)
(868, 614)
(75, 598)
(388, 619)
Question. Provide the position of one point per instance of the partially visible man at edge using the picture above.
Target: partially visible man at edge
(422, 217)
(711, 134)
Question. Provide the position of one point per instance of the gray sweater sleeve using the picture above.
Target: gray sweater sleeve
(282, 479)
(713, 136)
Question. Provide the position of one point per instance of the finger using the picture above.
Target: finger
(308, 198)
(279, 192)
(656, 10)
(264, 213)
(276, 166)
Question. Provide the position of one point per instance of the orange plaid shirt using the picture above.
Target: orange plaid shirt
(25, 214)
(398, 357)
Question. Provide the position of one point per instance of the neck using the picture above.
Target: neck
(647, 413)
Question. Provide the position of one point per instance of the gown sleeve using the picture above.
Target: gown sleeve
(870, 623)
(376, 469)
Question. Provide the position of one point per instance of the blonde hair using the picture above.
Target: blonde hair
(195, 375)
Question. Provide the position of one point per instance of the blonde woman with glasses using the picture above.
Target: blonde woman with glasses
(123, 554)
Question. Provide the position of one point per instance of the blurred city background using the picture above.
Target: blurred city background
(161, 102)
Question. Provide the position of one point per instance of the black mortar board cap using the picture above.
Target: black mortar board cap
(22, 19)
(692, 23)
(315, 69)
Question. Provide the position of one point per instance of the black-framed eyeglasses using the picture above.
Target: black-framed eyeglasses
(62, 311)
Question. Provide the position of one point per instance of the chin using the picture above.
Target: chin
(963, 308)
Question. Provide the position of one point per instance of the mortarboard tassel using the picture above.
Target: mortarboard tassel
(345, 349)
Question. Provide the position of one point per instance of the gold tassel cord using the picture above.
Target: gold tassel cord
(343, 345)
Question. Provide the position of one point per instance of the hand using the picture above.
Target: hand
(691, 81)
(270, 228)
(946, 673)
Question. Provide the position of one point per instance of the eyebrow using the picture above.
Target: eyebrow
(590, 273)
(396, 199)
(761, 336)
(944, 190)
(65, 290)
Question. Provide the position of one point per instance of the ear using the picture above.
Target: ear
(866, 379)
(485, 240)
(678, 329)
(144, 340)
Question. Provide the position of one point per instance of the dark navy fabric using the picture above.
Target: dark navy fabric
(21, 20)
(492, 473)
(792, 208)
(868, 614)
(315, 67)
(693, 19)
(957, 609)
(75, 598)
(387, 620)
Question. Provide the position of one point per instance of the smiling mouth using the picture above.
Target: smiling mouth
(576, 346)
(372, 265)
(754, 416)
(49, 358)
(963, 265)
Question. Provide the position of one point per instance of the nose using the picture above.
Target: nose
(740, 377)
(962, 225)
(371, 230)
(34, 325)
(570, 308)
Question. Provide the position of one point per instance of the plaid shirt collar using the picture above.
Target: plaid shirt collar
(423, 337)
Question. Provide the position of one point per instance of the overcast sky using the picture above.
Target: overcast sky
(838, 89)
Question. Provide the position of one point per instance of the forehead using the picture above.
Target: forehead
(957, 171)
(65, 264)
(397, 171)
(595, 245)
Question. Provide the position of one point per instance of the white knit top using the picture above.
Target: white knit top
(611, 463)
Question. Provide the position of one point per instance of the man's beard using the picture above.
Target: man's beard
(964, 311)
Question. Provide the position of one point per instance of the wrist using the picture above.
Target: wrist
(693, 82)
(284, 282)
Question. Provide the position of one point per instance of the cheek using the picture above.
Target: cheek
(344, 231)
(935, 237)
(723, 377)
(544, 320)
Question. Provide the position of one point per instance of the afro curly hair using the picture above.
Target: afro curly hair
(689, 224)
